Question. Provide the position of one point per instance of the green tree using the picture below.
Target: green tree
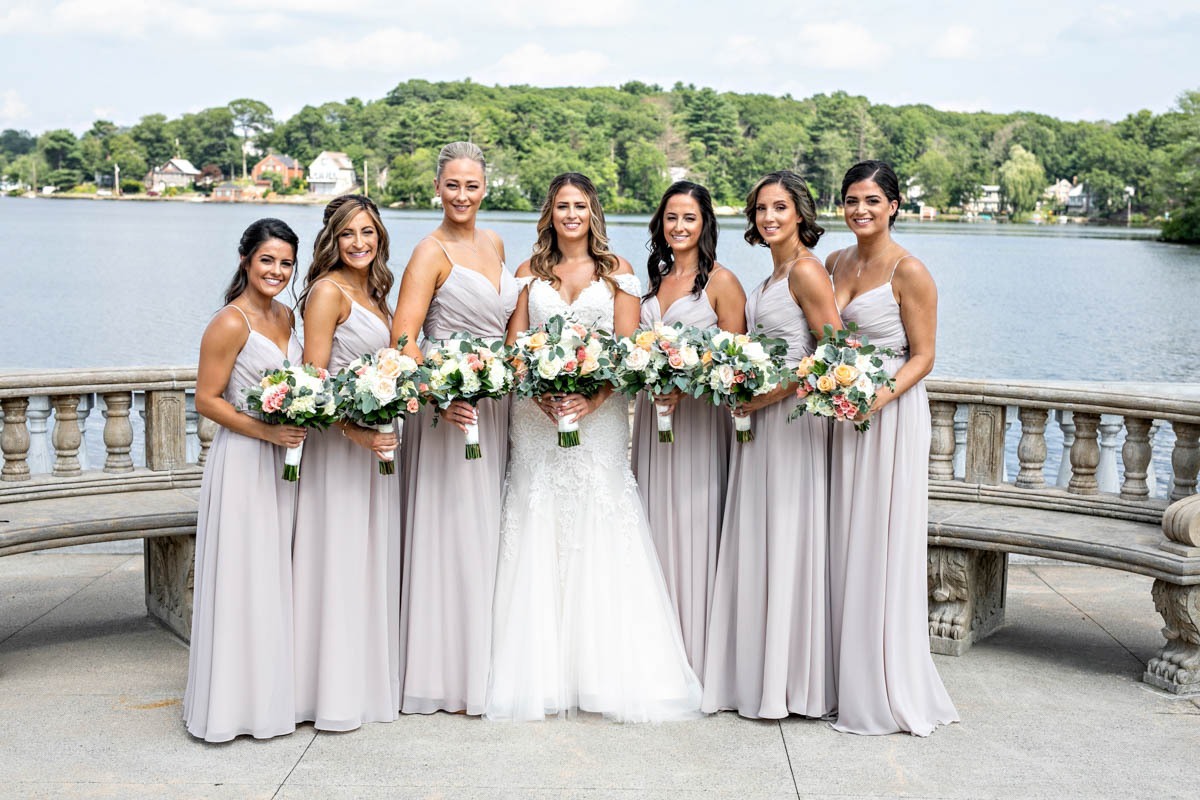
(1022, 180)
(60, 149)
(251, 118)
(155, 137)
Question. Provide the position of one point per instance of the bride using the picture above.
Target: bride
(582, 617)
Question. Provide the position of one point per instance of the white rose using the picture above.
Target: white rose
(862, 364)
(407, 363)
(721, 339)
(637, 360)
(725, 375)
(690, 356)
(549, 367)
(754, 351)
(594, 348)
(383, 389)
(497, 373)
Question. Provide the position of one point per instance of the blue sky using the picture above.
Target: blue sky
(65, 63)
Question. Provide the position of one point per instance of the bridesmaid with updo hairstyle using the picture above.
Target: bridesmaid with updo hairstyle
(347, 544)
(768, 642)
(456, 282)
(683, 483)
(879, 504)
(239, 663)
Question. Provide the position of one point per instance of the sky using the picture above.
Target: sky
(66, 63)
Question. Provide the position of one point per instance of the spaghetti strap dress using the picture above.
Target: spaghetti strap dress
(683, 483)
(451, 517)
(240, 664)
(878, 525)
(768, 650)
(346, 566)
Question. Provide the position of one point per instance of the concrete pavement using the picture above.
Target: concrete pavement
(1052, 706)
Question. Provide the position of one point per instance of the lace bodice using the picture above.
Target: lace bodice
(593, 307)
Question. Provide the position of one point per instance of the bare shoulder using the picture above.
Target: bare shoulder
(831, 260)
(722, 278)
(496, 240)
(623, 267)
(326, 292)
(912, 272)
(227, 328)
(807, 270)
(524, 270)
(428, 253)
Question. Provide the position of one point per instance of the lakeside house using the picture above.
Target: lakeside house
(1079, 201)
(285, 166)
(986, 202)
(331, 173)
(1058, 193)
(177, 172)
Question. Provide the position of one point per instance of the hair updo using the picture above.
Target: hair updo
(808, 229)
(457, 150)
(882, 174)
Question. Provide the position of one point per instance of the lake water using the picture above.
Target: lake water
(126, 283)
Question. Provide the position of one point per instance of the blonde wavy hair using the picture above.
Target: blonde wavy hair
(326, 258)
(546, 254)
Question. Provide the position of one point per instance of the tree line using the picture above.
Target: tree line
(632, 139)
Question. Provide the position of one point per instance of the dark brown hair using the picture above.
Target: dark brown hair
(662, 258)
(259, 232)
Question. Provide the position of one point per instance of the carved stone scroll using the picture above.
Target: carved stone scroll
(170, 576)
(966, 597)
(1176, 668)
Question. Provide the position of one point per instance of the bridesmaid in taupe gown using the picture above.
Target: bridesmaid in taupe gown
(879, 503)
(768, 639)
(683, 483)
(240, 664)
(346, 558)
(455, 282)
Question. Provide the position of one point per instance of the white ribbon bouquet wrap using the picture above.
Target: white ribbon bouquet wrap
(660, 360)
(469, 369)
(300, 395)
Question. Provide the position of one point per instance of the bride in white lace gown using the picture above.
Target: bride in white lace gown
(582, 617)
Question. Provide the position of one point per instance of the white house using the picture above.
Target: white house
(1058, 193)
(331, 174)
(1079, 201)
(986, 202)
(176, 172)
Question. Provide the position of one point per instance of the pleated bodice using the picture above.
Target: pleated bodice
(467, 302)
(691, 309)
(772, 311)
(258, 355)
(877, 315)
(362, 332)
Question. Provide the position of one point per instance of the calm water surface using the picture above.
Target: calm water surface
(117, 284)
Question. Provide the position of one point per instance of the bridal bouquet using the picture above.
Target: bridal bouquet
(470, 369)
(659, 360)
(376, 388)
(561, 357)
(841, 377)
(738, 367)
(294, 395)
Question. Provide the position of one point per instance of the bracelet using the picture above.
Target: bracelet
(343, 430)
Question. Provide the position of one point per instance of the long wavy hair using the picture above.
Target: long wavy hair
(326, 257)
(662, 259)
(546, 254)
(810, 232)
(259, 232)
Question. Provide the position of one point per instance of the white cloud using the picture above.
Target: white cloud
(965, 105)
(557, 14)
(533, 64)
(383, 49)
(955, 44)
(840, 46)
(17, 20)
(12, 108)
(134, 19)
(744, 51)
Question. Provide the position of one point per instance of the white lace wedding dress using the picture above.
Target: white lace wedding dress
(582, 617)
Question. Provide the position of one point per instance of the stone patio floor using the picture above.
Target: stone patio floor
(1052, 706)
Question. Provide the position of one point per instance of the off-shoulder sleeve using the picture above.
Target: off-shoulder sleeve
(629, 284)
(523, 281)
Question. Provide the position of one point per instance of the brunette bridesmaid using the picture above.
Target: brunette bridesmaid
(240, 664)
(768, 650)
(455, 282)
(879, 501)
(683, 483)
(347, 545)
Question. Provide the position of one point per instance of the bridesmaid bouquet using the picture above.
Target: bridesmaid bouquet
(294, 395)
(376, 388)
(470, 369)
(739, 367)
(841, 377)
(660, 360)
(561, 357)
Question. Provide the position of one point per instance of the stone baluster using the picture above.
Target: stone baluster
(1031, 451)
(1106, 471)
(86, 403)
(941, 447)
(191, 431)
(1066, 423)
(66, 436)
(1135, 455)
(960, 442)
(14, 441)
(1185, 459)
(1085, 455)
(166, 426)
(118, 433)
(38, 415)
(205, 431)
(1152, 470)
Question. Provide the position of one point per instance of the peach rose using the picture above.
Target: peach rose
(706, 358)
(845, 374)
(805, 366)
(537, 340)
(826, 383)
(645, 339)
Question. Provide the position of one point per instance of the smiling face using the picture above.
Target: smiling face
(682, 223)
(269, 268)
(571, 215)
(461, 188)
(358, 242)
(775, 214)
(866, 208)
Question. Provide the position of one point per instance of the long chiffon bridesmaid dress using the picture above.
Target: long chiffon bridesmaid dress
(879, 509)
(683, 483)
(346, 569)
(451, 518)
(240, 664)
(768, 650)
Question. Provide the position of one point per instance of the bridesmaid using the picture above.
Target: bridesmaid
(768, 640)
(455, 282)
(683, 484)
(240, 665)
(879, 505)
(347, 544)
